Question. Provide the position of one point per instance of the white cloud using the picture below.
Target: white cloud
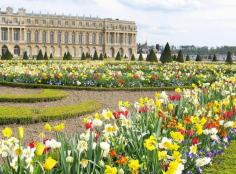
(200, 22)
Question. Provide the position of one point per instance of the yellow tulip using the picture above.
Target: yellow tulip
(48, 127)
(49, 163)
(20, 133)
(60, 127)
(39, 149)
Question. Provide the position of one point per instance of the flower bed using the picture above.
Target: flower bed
(45, 96)
(110, 75)
(174, 134)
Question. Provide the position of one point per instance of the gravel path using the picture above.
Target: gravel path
(108, 99)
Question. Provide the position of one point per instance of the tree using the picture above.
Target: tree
(65, 56)
(214, 58)
(152, 56)
(180, 57)
(105, 55)
(69, 56)
(45, 56)
(140, 58)
(187, 58)
(174, 58)
(198, 58)
(229, 59)
(6, 55)
(101, 57)
(95, 55)
(83, 56)
(51, 56)
(209, 57)
(118, 57)
(166, 54)
(25, 56)
(40, 55)
(132, 57)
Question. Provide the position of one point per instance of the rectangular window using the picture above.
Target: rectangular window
(36, 37)
(59, 38)
(73, 38)
(28, 21)
(28, 37)
(3, 20)
(36, 21)
(80, 38)
(4, 35)
(16, 35)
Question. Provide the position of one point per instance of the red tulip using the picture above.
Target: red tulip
(195, 141)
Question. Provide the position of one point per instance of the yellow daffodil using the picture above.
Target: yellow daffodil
(48, 127)
(110, 170)
(162, 155)
(7, 132)
(134, 166)
(60, 127)
(177, 136)
(150, 143)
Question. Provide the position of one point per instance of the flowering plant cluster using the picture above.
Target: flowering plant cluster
(173, 133)
(112, 74)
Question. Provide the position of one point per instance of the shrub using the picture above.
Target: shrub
(214, 58)
(140, 58)
(118, 57)
(198, 58)
(101, 57)
(83, 56)
(25, 56)
(40, 55)
(180, 57)
(45, 56)
(95, 55)
(209, 57)
(132, 57)
(7, 55)
(229, 59)
(105, 55)
(51, 56)
(166, 54)
(187, 58)
(152, 56)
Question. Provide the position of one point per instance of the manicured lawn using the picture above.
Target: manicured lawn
(224, 164)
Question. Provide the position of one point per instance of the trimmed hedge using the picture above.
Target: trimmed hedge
(31, 85)
(45, 96)
(25, 115)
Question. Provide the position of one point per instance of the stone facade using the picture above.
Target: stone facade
(21, 31)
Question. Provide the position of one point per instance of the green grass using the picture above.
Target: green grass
(24, 115)
(45, 96)
(224, 164)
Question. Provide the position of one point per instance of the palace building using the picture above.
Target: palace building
(57, 34)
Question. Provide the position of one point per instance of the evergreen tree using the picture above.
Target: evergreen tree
(140, 58)
(187, 58)
(118, 57)
(101, 57)
(51, 56)
(25, 56)
(105, 55)
(209, 57)
(152, 56)
(229, 59)
(174, 58)
(65, 56)
(214, 58)
(40, 55)
(45, 56)
(69, 56)
(6, 55)
(132, 57)
(166, 54)
(83, 56)
(198, 58)
(180, 57)
(95, 55)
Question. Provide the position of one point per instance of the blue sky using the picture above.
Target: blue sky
(180, 22)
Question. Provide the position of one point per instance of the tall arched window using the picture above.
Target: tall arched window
(59, 37)
(44, 39)
(28, 37)
(52, 37)
(17, 50)
(66, 37)
(87, 38)
(80, 38)
(73, 38)
(36, 37)
(94, 38)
